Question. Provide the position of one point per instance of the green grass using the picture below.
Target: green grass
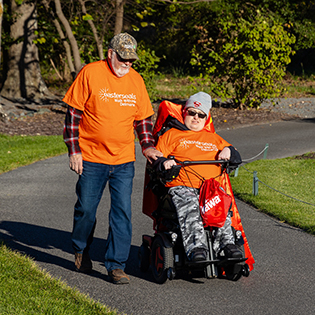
(27, 290)
(299, 86)
(173, 87)
(18, 151)
(308, 91)
(290, 176)
(182, 86)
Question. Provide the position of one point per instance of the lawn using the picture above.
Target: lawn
(25, 289)
(172, 87)
(286, 189)
(18, 151)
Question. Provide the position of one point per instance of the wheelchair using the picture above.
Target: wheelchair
(164, 251)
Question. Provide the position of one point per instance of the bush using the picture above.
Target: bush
(146, 66)
(247, 59)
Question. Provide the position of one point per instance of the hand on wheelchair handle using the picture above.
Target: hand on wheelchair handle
(172, 173)
(225, 154)
(168, 164)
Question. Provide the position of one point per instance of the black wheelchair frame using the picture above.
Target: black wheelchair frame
(164, 252)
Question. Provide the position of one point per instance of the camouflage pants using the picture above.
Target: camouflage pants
(223, 235)
(186, 202)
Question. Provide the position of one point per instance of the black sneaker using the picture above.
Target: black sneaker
(231, 251)
(198, 255)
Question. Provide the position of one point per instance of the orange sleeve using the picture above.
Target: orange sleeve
(166, 144)
(78, 93)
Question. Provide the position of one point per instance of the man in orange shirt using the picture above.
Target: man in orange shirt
(193, 142)
(107, 101)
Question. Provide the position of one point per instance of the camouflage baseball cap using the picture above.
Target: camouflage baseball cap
(125, 45)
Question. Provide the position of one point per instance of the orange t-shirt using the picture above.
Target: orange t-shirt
(110, 106)
(192, 146)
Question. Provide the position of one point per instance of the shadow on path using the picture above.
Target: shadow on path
(44, 244)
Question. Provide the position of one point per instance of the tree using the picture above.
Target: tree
(1, 15)
(83, 26)
(62, 37)
(298, 18)
(168, 28)
(73, 42)
(119, 16)
(248, 55)
(98, 40)
(23, 78)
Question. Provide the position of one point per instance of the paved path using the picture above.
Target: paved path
(36, 207)
(286, 138)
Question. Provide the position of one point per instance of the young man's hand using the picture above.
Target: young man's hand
(168, 164)
(225, 154)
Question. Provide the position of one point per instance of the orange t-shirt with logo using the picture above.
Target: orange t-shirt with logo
(110, 106)
(192, 146)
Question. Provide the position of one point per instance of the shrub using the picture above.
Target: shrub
(146, 66)
(246, 60)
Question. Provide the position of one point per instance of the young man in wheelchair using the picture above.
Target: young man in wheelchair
(193, 142)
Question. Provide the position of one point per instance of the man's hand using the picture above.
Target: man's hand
(76, 163)
(152, 154)
(225, 154)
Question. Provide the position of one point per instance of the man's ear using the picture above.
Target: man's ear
(109, 53)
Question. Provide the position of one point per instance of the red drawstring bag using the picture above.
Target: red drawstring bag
(214, 203)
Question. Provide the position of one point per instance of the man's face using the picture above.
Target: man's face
(120, 66)
(193, 121)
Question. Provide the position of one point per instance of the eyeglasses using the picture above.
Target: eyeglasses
(123, 60)
(193, 113)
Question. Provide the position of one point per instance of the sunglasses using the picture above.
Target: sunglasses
(123, 60)
(193, 114)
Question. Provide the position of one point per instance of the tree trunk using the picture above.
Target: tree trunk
(99, 42)
(1, 15)
(63, 39)
(24, 78)
(119, 22)
(73, 42)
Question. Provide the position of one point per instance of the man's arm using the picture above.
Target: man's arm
(71, 139)
(144, 130)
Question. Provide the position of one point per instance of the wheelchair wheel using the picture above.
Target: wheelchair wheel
(245, 270)
(161, 260)
(144, 257)
(233, 272)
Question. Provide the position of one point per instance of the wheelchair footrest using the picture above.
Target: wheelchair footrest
(230, 261)
(203, 263)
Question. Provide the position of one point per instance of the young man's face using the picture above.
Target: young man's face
(193, 121)
(120, 66)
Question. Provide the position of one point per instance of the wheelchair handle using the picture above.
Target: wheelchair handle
(203, 162)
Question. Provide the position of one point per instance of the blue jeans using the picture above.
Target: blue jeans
(89, 189)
